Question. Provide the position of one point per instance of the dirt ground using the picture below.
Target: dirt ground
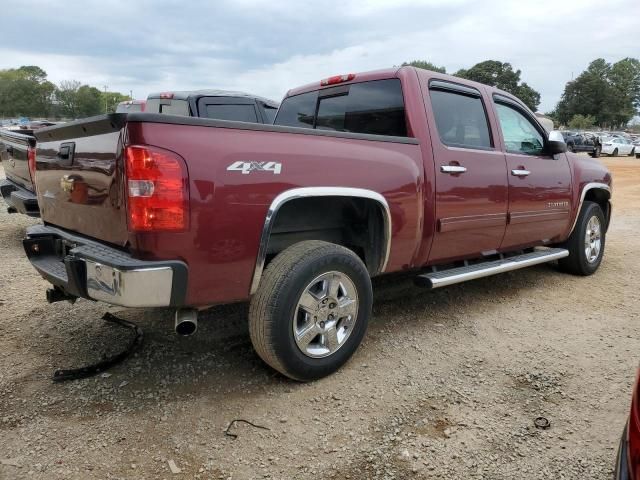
(447, 384)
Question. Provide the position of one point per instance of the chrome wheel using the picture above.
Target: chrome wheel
(325, 315)
(593, 239)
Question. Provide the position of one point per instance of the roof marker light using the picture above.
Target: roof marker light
(167, 95)
(337, 79)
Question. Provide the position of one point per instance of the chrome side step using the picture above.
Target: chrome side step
(484, 269)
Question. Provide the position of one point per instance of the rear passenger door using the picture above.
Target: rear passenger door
(238, 109)
(539, 183)
(470, 180)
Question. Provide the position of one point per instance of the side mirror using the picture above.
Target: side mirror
(556, 143)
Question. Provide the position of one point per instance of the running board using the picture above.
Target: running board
(484, 269)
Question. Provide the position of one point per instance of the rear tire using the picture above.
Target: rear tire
(586, 242)
(311, 309)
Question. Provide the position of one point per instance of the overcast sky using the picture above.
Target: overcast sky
(267, 47)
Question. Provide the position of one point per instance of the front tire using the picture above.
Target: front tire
(633, 152)
(596, 152)
(586, 242)
(311, 309)
(615, 153)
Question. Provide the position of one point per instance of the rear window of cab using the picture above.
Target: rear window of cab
(375, 107)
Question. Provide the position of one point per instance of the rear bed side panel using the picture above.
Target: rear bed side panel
(228, 208)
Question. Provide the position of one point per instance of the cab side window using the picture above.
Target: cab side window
(519, 133)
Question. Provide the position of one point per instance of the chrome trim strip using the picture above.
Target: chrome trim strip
(585, 189)
(307, 192)
(503, 266)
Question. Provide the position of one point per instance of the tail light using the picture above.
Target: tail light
(633, 432)
(337, 79)
(157, 189)
(31, 161)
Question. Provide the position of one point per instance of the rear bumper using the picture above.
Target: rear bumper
(88, 269)
(19, 199)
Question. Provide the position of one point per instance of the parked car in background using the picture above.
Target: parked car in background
(628, 458)
(216, 104)
(398, 170)
(615, 146)
(636, 146)
(583, 142)
(17, 152)
(130, 106)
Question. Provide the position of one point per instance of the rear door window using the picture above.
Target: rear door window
(461, 119)
(375, 107)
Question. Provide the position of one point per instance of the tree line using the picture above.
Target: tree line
(26, 92)
(605, 94)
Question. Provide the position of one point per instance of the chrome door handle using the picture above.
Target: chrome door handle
(520, 173)
(452, 169)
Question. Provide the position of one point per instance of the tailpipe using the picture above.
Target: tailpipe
(186, 321)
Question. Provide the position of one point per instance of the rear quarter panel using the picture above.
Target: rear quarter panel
(228, 208)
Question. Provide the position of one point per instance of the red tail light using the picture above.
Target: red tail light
(633, 432)
(157, 190)
(31, 161)
(167, 95)
(337, 79)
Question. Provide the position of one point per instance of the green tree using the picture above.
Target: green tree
(610, 93)
(582, 122)
(67, 97)
(424, 65)
(111, 100)
(89, 101)
(503, 76)
(25, 91)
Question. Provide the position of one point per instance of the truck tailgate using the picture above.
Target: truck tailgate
(15, 157)
(79, 177)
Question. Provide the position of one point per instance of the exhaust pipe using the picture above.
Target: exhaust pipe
(186, 321)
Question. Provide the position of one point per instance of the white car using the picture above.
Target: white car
(617, 146)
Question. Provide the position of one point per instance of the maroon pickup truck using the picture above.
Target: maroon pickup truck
(400, 170)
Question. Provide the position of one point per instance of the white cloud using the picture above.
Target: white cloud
(267, 47)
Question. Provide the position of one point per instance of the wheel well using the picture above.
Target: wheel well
(601, 197)
(355, 223)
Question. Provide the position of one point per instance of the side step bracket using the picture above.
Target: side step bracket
(450, 276)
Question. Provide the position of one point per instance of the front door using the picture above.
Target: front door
(470, 174)
(539, 183)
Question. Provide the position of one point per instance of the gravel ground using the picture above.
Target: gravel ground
(446, 384)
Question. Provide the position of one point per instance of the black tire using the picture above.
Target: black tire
(596, 152)
(615, 153)
(570, 147)
(274, 306)
(633, 152)
(577, 262)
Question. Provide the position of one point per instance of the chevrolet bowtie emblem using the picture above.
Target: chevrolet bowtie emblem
(66, 184)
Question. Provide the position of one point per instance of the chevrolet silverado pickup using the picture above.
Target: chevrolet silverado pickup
(399, 170)
(17, 152)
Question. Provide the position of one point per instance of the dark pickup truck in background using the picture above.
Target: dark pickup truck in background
(17, 152)
(399, 170)
(216, 104)
(583, 142)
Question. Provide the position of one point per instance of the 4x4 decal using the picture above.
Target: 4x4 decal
(248, 167)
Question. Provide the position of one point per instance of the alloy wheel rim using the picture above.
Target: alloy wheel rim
(593, 239)
(325, 314)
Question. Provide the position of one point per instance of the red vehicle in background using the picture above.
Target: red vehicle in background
(399, 170)
(131, 106)
(628, 459)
